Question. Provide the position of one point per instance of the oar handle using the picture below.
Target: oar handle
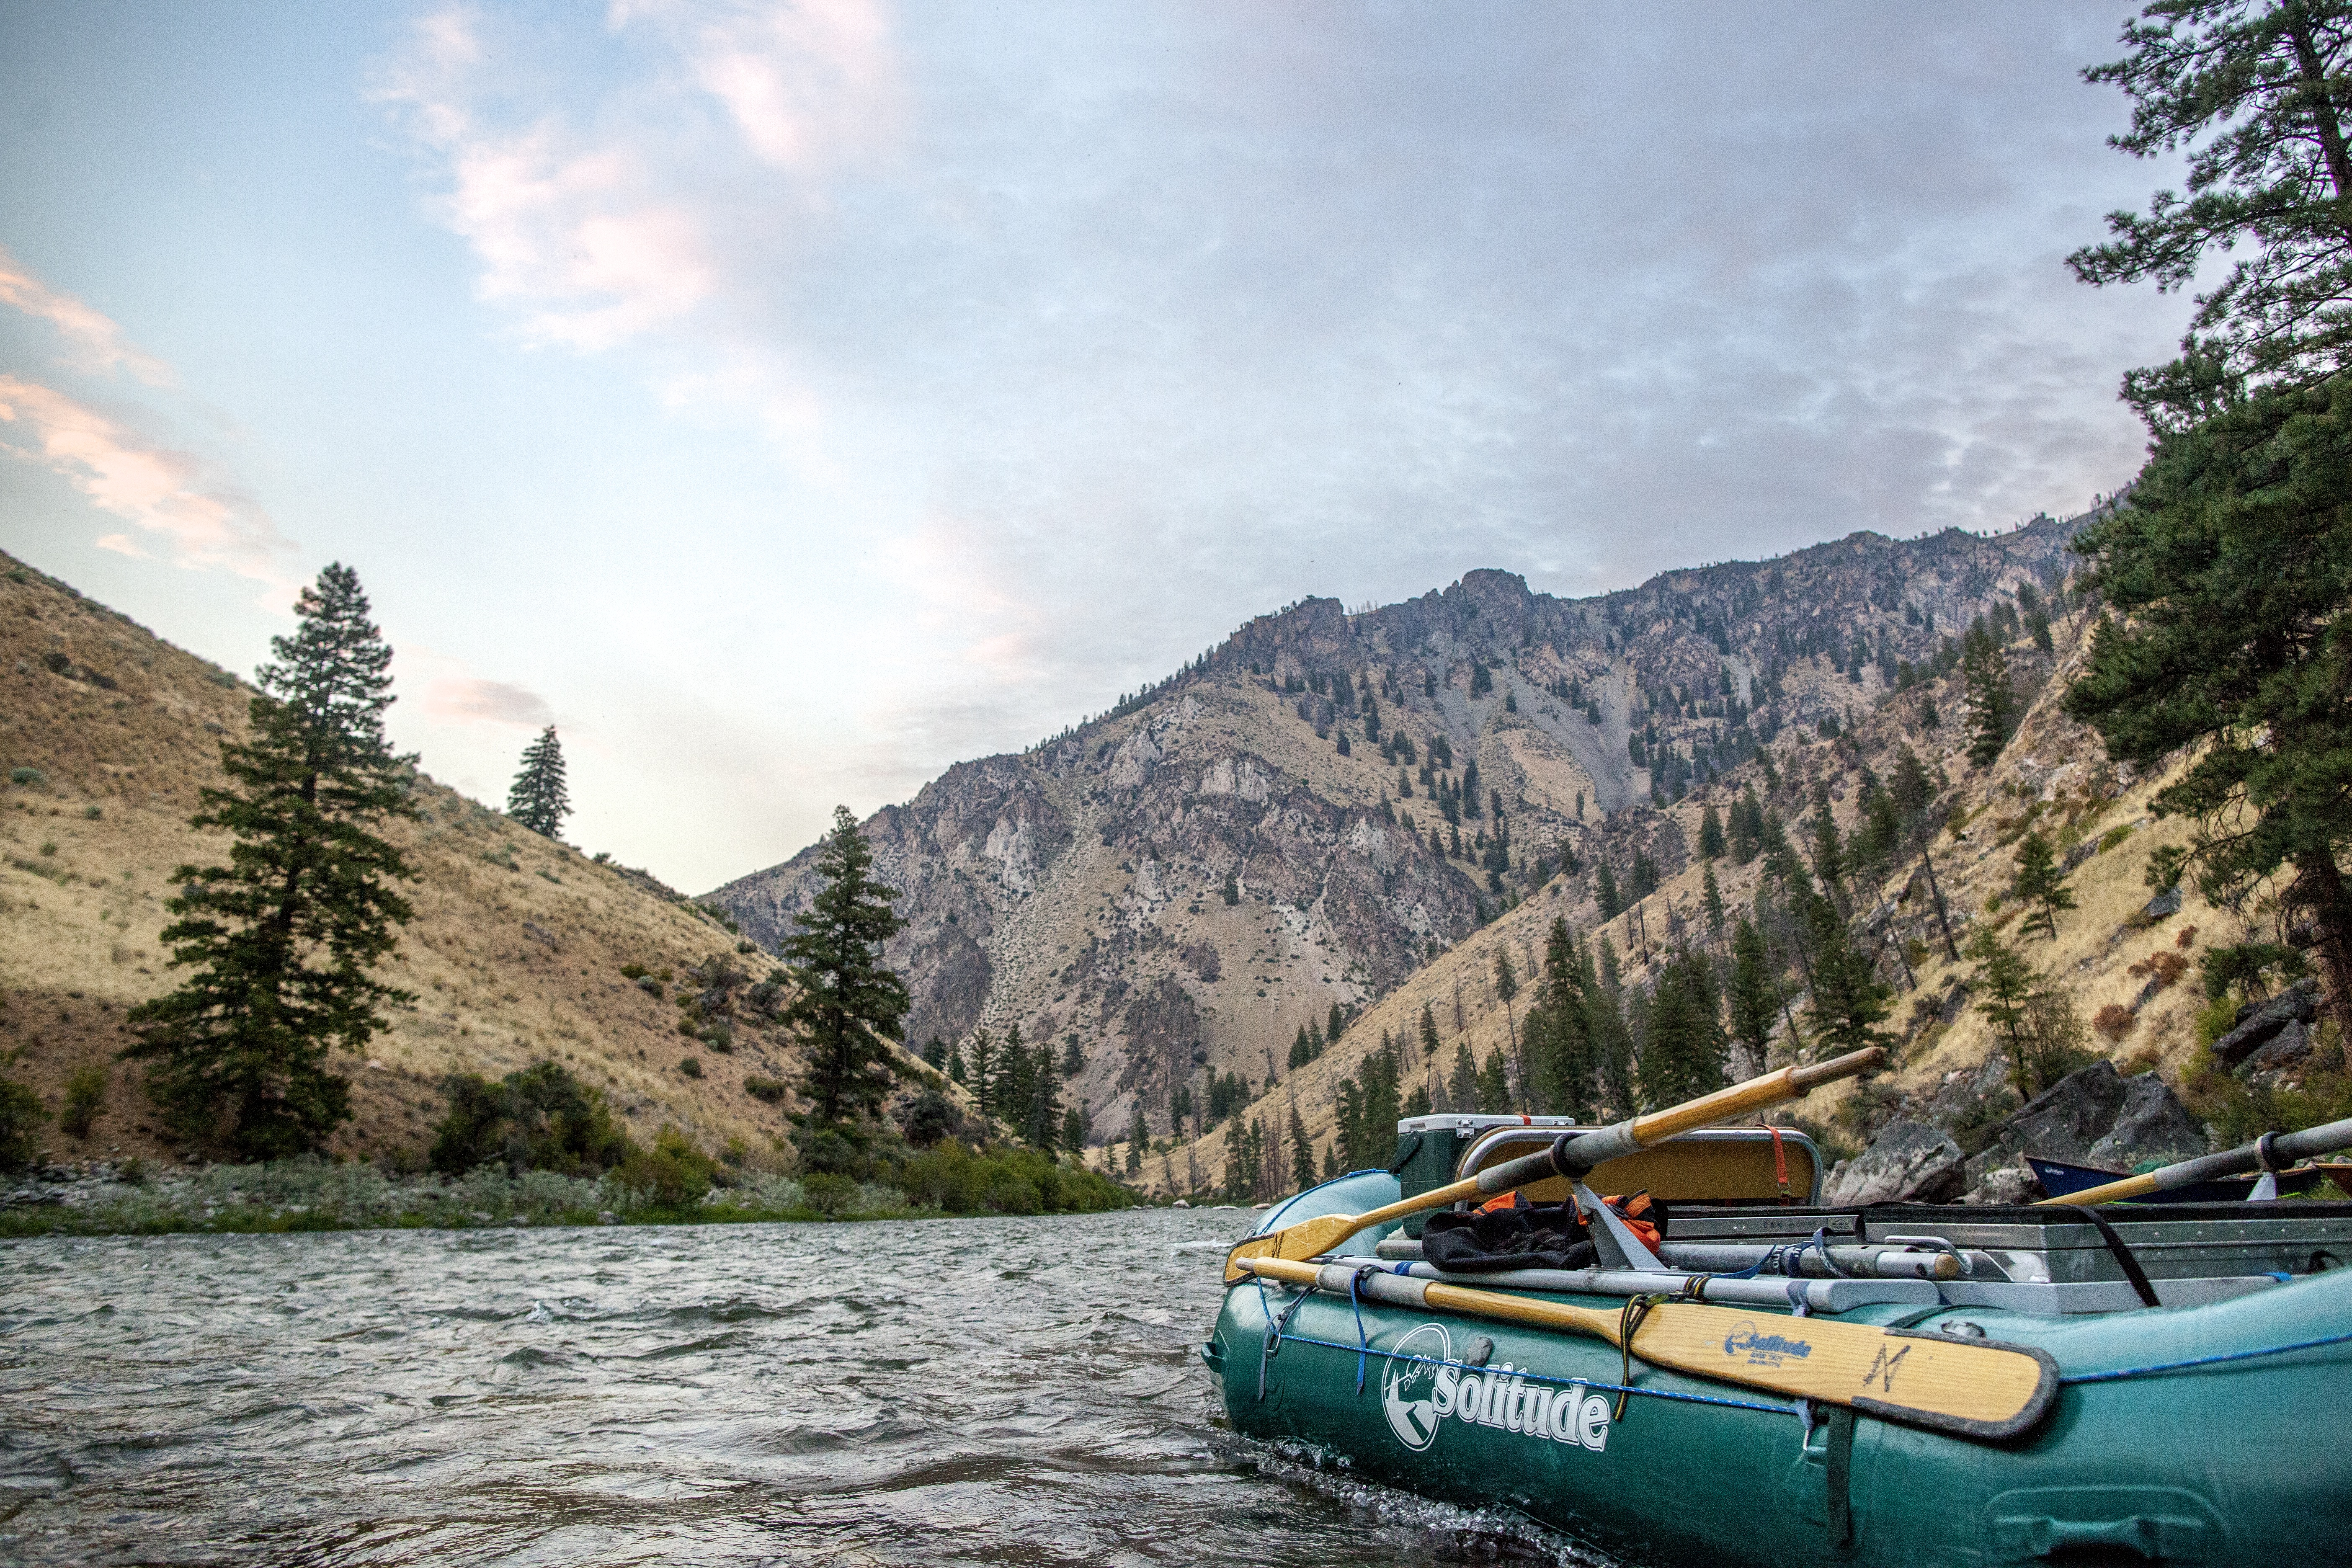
(2275, 1149)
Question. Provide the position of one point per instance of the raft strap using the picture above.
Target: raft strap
(2132, 1270)
(1636, 1309)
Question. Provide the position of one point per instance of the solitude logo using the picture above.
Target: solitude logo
(1418, 1397)
(1409, 1389)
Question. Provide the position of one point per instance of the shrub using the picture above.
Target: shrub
(2113, 1020)
(928, 1119)
(827, 1192)
(21, 1111)
(690, 1066)
(2163, 966)
(632, 971)
(29, 777)
(85, 1100)
(765, 1088)
(2052, 1043)
(2112, 837)
(719, 1038)
(92, 813)
(672, 1175)
(541, 1118)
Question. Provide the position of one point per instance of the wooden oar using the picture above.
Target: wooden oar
(1972, 1388)
(1571, 1154)
(2272, 1151)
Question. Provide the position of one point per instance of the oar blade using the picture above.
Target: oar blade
(1971, 1388)
(1307, 1238)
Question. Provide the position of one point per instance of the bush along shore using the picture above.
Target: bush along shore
(103, 1197)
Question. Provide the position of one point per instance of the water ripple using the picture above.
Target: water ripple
(981, 1391)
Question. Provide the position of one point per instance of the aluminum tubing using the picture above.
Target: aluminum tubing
(1576, 1157)
(1871, 1262)
(1820, 1295)
(1372, 1284)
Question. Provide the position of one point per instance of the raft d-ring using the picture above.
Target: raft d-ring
(1932, 1244)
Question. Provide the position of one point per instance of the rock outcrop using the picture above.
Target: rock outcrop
(2259, 1022)
(1908, 1161)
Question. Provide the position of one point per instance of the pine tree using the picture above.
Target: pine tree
(1755, 997)
(1683, 1055)
(1712, 897)
(1428, 1032)
(984, 1076)
(1331, 1172)
(538, 799)
(847, 1004)
(2003, 983)
(1300, 1052)
(2258, 99)
(281, 938)
(2040, 883)
(1334, 1025)
(2228, 569)
(956, 1070)
(1461, 1087)
(1232, 890)
(1302, 1153)
(1711, 845)
(1494, 1085)
(1138, 1138)
(1073, 1057)
(1610, 905)
(1559, 1030)
(1992, 702)
(1849, 1000)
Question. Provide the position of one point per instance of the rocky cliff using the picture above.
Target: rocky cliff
(1325, 806)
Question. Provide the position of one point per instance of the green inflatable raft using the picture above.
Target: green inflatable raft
(2207, 1428)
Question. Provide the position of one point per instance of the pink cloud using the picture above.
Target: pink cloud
(807, 84)
(469, 698)
(575, 235)
(99, 341)
(207, 521)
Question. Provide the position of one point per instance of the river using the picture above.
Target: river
(953, 1390)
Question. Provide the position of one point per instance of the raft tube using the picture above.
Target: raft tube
(2174, 1437)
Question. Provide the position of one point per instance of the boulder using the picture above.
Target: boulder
(2150, 1124)
(1908, 1161)
(2298, 1003)
(2166, 902)
(2071, 1115)
(1966, 1089)
(2004, 1187)
(2286, 1048)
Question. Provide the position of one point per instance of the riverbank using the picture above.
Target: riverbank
(108, 1198)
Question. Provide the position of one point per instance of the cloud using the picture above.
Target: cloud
(208, 521)
(471, 700)
(810, 85)
(99, 343)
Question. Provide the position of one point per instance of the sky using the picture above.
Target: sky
(789, 400)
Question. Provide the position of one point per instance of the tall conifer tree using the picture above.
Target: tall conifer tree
(847, 1004)
(538, 799)
(282, 937)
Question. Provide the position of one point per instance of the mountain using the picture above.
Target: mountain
(1081, 890)
(516, 952)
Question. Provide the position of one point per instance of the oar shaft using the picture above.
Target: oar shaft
(2285, 1149)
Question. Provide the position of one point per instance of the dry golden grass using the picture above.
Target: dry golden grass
(515, 955)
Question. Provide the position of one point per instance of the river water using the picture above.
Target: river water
(989, 1391)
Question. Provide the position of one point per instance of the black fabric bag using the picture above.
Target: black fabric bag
(1544, 1235)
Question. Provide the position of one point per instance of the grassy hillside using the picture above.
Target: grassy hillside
(106, 734)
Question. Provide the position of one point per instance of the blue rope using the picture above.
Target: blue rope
(2225, 1356)
(1548, 1377)
(1363, 1341)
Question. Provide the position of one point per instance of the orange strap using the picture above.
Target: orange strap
(1781, 1166)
